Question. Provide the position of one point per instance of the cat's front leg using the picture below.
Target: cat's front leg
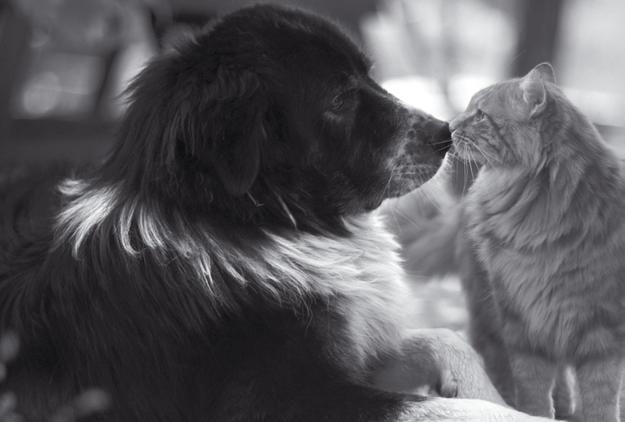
(534, 379)
(599, 383)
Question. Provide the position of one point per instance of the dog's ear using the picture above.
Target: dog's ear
(208, 113)
(236, 129)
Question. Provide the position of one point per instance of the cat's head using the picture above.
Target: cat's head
(503, 123)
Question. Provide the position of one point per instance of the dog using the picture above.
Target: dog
(225, 262)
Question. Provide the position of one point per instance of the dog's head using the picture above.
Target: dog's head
(271, 115)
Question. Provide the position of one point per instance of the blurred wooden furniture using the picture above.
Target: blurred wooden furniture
(539, 25)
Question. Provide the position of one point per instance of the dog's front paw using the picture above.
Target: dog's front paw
(463, 410)
(451, 361)
(448, 385)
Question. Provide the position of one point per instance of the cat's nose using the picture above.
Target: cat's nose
(453, 124)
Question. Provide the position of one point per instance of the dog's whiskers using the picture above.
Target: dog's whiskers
(254, 201)
(444, 141)
(440, 148)
(286, 209)
(389, 181)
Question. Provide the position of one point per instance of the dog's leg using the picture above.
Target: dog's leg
(464, 410)
(599, 385)
(441, 360)
(534, 378)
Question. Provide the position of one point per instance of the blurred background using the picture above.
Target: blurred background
(64, 65)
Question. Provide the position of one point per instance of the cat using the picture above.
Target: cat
(545, 216)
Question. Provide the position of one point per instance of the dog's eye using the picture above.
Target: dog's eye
(479, 115)
(337, 102)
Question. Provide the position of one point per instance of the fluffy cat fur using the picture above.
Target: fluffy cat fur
(546, 216)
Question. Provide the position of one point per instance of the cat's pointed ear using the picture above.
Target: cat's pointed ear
(533, 88)
(545, 72)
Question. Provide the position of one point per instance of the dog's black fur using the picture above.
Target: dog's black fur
(133, 277)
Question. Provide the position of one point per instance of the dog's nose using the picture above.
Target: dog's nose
(441, 139)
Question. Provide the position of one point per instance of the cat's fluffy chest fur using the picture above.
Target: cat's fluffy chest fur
(554, 250)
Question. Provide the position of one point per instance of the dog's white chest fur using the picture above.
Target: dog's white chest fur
(363, 272)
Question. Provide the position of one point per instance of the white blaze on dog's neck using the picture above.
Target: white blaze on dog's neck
(361, 272)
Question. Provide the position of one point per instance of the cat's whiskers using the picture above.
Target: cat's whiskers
(464, 168)
(463, 138)
(483, 154)
(428, 197)
(470, 162)
(415, 222)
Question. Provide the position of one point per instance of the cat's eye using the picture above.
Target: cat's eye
(479, 115)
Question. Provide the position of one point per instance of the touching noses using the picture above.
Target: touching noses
(440, 138)
(454, 123)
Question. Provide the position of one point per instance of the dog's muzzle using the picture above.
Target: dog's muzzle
(440, 140)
